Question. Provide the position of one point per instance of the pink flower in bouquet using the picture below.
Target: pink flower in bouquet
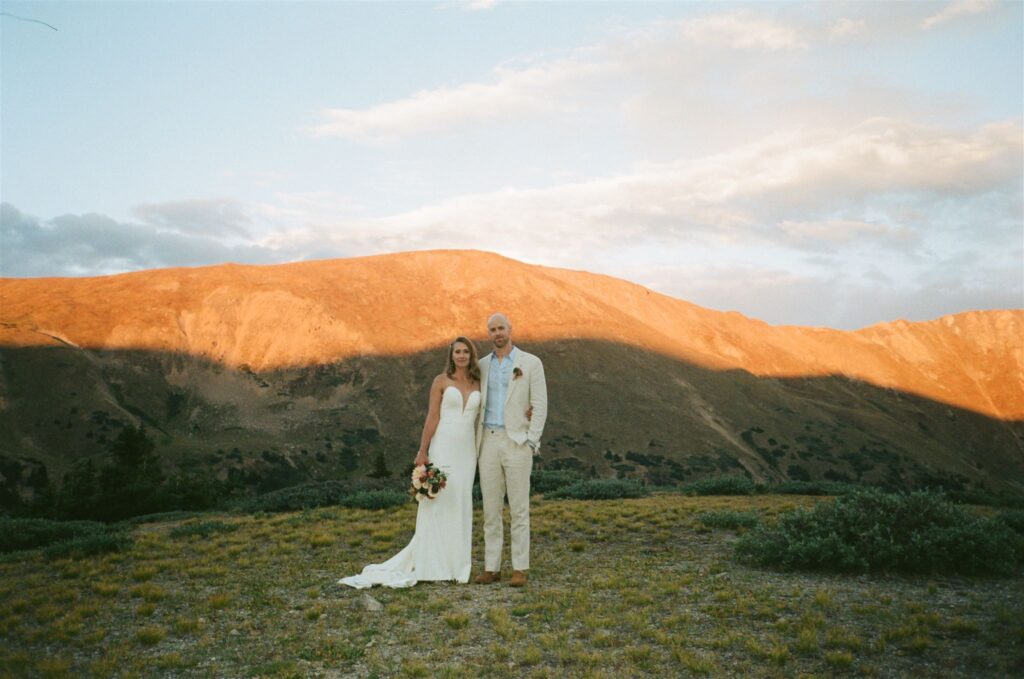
(427, 482)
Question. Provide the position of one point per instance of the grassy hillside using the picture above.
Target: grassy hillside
(615, 411)
(622, 588)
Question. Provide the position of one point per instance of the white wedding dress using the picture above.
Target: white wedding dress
(440, 549)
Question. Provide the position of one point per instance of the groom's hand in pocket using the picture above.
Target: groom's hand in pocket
(529, 413)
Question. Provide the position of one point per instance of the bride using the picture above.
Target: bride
(441, 546)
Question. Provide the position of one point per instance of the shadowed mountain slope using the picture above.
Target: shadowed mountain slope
(312, 369)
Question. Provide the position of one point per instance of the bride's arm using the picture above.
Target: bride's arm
(433, 416)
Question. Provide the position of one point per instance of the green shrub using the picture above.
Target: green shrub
(88, 545)
(978, 497)
(202, 528)
(728, 519)
(310, 495)
(375, 499)
(548, 480)
(302, 496)
(599, 489)
(1014, 519)
(721, 485)
(812, 488)
(159, 517)
(872, 531)
(18, 534)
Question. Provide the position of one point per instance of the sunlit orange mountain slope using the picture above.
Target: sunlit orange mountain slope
(269, 317)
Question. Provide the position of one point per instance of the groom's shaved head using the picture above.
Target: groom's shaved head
(500, 331)
(498, 319)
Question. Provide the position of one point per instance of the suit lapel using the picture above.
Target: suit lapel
(485, 371)
(512, 377)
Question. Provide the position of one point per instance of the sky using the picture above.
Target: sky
(832, 164)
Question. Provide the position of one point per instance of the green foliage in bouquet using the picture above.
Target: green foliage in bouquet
(427, 482)
(599, 489)
(872, 531)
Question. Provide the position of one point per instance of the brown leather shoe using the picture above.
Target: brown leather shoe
(518, 579)
(487, 577)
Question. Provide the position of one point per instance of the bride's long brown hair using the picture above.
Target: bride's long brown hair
(473, 368)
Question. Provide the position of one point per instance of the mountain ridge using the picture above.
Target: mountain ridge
(233, 314)
(271, 375)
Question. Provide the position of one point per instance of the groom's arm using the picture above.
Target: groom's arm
(538, 405)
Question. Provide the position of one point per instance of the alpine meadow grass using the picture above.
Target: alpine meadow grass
(628, 587)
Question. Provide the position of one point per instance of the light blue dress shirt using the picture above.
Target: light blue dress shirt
(499, 376)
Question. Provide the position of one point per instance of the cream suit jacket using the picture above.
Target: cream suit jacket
(529, 389)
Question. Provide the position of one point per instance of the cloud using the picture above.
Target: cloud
(954, 10)
(741, 31)
(879, 210)
(871, 210)
(845, 27)
(514, 92)
(214, 216)
(799, 180)
(828, 298)
(468, 5)
(664, 78)
(838, 232)
(558, 85)
(478, 5)
(92, 244)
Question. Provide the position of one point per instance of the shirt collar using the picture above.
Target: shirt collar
(511, 354)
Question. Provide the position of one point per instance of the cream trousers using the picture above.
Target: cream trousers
(505, 469)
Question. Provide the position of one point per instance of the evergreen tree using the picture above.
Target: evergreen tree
(380, 467)
(134, 484)
(79, 494)
(133, 449)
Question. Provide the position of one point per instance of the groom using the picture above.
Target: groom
(511, 383)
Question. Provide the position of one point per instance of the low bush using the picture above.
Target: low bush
(728, 519)
(872, 531)
(172, 515)
(599, 489)
(310, 495)
(1014, 519)
(293, 498)
(16, 534)
(548, 480)
(721, 485)
(978, 497)
(88, 545)
(375, 499)
(812, 488)
(202, 529)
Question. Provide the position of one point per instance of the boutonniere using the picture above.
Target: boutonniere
(516, 373)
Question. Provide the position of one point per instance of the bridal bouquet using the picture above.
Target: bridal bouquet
(427, 482)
